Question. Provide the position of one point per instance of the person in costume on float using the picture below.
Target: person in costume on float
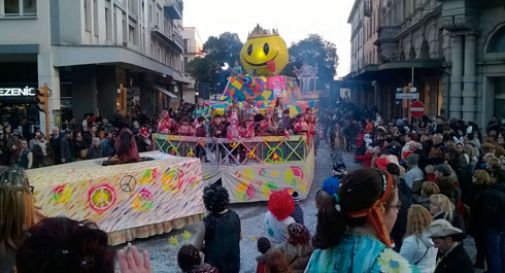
(186, 128)
(356, 238)
(125, 145)
(218, 236)
(245, 131)
(200, 111)
(167, 125)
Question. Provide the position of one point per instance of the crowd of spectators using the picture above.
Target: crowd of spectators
(423, 189)
(451, 168)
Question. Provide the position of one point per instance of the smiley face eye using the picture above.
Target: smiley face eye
(249, 50)
(266, 48)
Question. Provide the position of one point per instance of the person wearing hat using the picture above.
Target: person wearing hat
(332, 183)
(452, 256)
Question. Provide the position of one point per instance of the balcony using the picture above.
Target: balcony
(173, 9)
(173, 39)
(388, 34)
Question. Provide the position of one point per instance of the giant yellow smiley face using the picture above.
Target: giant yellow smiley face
(264, 53)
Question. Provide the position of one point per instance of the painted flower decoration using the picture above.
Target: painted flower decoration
(391, 262)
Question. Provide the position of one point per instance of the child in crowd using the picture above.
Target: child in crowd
(263, 247)
(191, 261)
(298, 212)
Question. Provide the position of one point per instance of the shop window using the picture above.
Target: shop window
(497, 43)
(19, 7)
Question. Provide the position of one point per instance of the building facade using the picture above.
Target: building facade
(96, 56)
(439, 49)
(193, 47)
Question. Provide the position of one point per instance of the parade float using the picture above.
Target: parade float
(128, 201)
(251, 167)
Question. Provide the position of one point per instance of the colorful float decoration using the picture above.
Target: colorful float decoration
(251, 168)
(127, 201)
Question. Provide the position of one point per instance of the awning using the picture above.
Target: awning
(166, 92)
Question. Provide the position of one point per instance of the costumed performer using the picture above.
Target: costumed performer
(356, 238)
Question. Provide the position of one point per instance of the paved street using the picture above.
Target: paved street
(164, 254)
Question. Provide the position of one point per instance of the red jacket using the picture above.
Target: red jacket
(366, 159)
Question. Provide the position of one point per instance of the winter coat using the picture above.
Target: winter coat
(420, 251)
(66, 150)
(456, 261)
(297, 255)
(489, 208)
(261, 263)
(95, 152)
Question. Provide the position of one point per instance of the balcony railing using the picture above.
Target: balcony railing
(173, 38)
(173, 8)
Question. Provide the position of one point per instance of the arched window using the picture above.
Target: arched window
(497, 43)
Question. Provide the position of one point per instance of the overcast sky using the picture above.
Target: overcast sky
(294, 19)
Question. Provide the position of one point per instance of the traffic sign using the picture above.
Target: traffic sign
(417, 109)
(407, 96)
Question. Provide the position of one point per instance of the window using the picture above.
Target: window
(12, 7)
(115, 26)
(125, 28)
(95, 17)
(29, 7)
(87, 16)
(497, 43)
(150, 13)
(186, 41)
(20, 7)
(132, 33)
(108, 26)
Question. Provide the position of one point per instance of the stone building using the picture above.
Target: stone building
(193, 47)
(96, 56)
(448, 51)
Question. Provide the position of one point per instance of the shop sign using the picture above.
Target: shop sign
(16, 92)
(407, 96)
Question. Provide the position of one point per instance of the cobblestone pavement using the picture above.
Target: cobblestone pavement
(164, 254)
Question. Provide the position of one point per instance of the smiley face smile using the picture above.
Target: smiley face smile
(261, 64)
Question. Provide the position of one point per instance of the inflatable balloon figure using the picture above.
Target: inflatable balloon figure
(265, 53)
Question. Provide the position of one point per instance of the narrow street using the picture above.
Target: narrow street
(164, 253)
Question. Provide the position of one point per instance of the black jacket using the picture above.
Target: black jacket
(457, 261)
(489, 207)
